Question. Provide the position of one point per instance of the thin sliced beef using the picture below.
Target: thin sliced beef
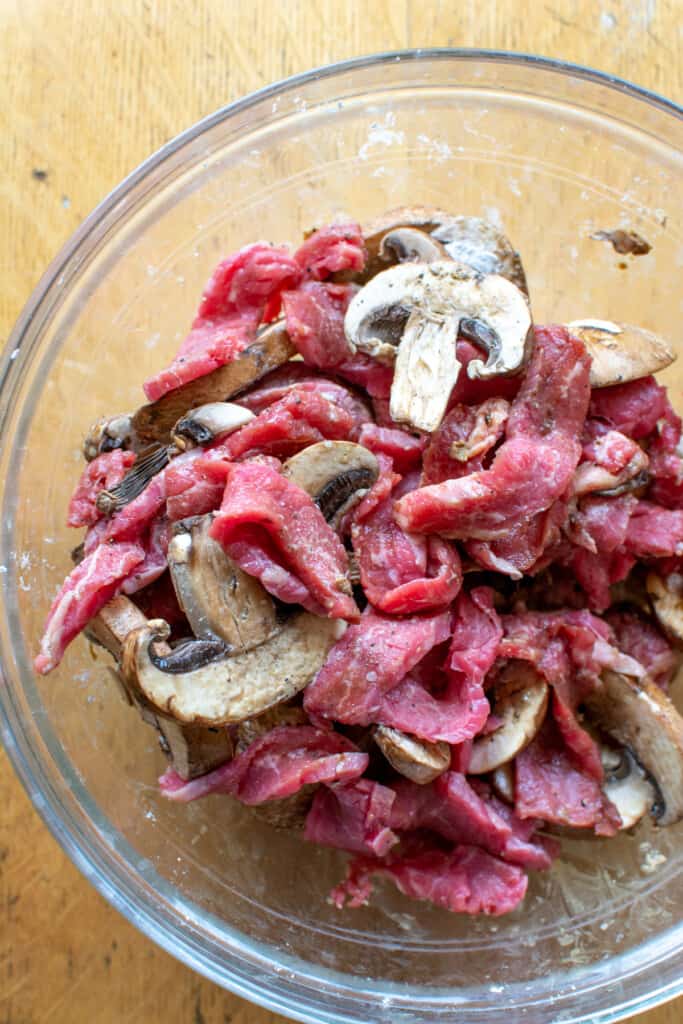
(404, 449)
(632, 408)
(103, 473)
(353, 816)
(380, 490)
(655, 532)
(464, 880)
(601, 524)
(331, 249)
(274, 766)
(365, 372)
(642, 639)
(266, 523)
(535, 465)
(298, 419)
(370, 659)
(611, 460)
(191, 490)
(581, 745)
(473, 392)
(315, 322)
(210, 344)
(467, 434)
(523, 548)
(298, 377)
(85, 591)
(135, 518)
(596, 572)
(549, 786)
(155, 562)
(666, 464)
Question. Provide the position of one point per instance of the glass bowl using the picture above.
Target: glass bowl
(554, 153)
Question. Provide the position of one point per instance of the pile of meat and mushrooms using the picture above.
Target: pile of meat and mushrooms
(393, 565)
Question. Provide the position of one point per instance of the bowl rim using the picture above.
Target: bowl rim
(282, 995)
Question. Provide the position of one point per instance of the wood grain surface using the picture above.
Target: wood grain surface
(90, 88)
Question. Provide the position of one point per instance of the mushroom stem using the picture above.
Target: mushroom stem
(428, 369)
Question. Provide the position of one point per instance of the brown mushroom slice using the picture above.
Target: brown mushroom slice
(410, 245)
(271, 348)
(621, 352)
(641, 717)
(503, 782)
(419, 760)
(220, 601)
(110, 433)
(200, 681)
(336, 474)
(481, 245)
(419, 308)
(627, 785)
(207, 423)
(520, 701)
(192, 749)
(666, 596)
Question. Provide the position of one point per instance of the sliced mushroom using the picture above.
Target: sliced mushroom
(419, 308)
(271, 349)
(109, 433)
(642, 718)
(520, 701)
(221, 602)
(503, 782)
(147, 465)
(410, 245)
(419, 760)
(666, 596)
(621, 352)
(200, 681)
(627, 785)
(207, 423)
(336, 474)
(192, 749)
(470, 240)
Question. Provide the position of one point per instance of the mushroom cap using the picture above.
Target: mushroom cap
(109, 433)
(418, 760)
(410, 245)
(194, 750)
(221, 601)
(503, 782)
(641, 717)
(627, 786)
(521, 701)
(207, 422)
(336, 474)
(271, 348)
(666, 596)
(621, 352)
(228, 688)
(110, 627)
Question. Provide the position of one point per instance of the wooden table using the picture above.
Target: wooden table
(90, 89)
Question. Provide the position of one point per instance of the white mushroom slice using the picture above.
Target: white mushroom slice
(114, 622)
(621, 352)
(221, 601)
(503, 782)
(199, 681)
(207, 423)
(419, 760)
(336, 474)
(410, 245)
(420, 308)
(481, 245)
(521, 701)
(641, 717)
(108, 434)
(627, 785)
(666, 596)
(271, 348)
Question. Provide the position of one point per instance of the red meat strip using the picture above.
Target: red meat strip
(549, 786)
(302, 417)
(103, 473)
(456, 708)
(134, 519)
(155, 561)
(404, 449)
(655, 532)
(95, 535)
(643, 640)
(601, 524)
(334, 248)
(274, 766)
(352, 817)
(210, 344)
(298, 377)
(581, 744)
(596, 573)
(612, 459)
(402, 573)
(315, 323)
(365, 372)
(85, 591)
(631, 408)
(523, 547)
(462, 441)
(666, 465)
(370, 659)
(264, 513)
(472, 392)
(534, 466)
(191, 490)
(380, 490)
(464, 880)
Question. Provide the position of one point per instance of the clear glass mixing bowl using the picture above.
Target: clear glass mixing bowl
(553, 152)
